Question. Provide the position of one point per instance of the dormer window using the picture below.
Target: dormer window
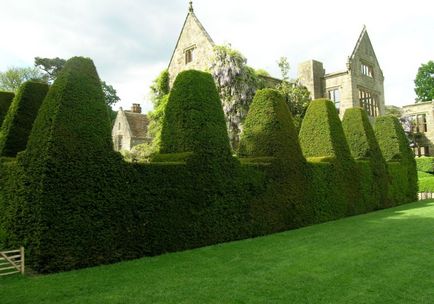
(367, 70)
(189, 55)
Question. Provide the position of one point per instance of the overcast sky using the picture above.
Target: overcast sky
(131, 41)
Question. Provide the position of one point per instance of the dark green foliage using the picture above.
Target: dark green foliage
(425, 164)
(72, 202)
(269, 130)
(18, 122)
(364, 146)
(194, 120)
(321, 135)
(5, 101)
(72, 174)
(395, 147)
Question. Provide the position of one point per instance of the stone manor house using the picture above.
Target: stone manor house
(359, 85)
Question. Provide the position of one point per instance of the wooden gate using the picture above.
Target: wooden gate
(11, 262)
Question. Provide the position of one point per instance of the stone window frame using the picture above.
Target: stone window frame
(189, 54)
(366, 69)
(368, 100)
(419, 125)
(332, 96)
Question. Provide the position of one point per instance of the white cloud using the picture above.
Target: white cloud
(131, 41)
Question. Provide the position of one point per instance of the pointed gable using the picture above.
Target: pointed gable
(363, 49)
(193, 49)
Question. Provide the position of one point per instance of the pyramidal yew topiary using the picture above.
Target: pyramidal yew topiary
(5, 101)
(19, 119)
(396, 150)
(194, 119)
(321, 136)
(70, 169)
(364, 146)
(269, 129)
(321, 133)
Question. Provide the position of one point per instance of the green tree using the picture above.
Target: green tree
(110, 95)
(52, 66)
(424, 82)
(296, 95)
(394, 111)
(14, 77)
(159, 92)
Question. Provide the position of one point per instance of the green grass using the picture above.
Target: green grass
(381, 257)
(426, 181)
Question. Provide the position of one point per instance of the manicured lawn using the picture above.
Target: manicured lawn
(381, 257)
(426, 182)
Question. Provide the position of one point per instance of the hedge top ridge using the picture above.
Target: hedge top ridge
(321, 133)
(391, 139)
(269, 129)
(5, 101)
(73, 119)
(194, 119)
(360, 135)
(19, 119)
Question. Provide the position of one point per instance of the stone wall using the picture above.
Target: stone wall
(193, 36)
(424, 139)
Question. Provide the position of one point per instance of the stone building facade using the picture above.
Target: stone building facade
(361, 84)
(194, 48)
(130, 128)
(421, 128)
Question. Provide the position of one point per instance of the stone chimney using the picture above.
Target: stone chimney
(136, 108)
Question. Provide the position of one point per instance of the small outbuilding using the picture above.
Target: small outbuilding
(130, 128)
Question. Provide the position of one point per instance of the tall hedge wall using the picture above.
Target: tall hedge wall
(321, 136)
(395, 148)
(364, 146)
(19, 119)
(72, 202)
(5, 101)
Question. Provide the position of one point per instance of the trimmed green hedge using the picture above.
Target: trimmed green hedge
(321, 135)
(74, 178)
(364, 146)
(194, 119)
(18, 122)
(425, 164)
(269, 129)
(72, 201)
(395, 147)
(5, 101)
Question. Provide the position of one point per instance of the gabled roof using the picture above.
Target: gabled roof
(138, 124)
(362, 35)
(192, 15)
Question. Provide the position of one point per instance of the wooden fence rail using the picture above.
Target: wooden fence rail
(425, 195)
(12, 262)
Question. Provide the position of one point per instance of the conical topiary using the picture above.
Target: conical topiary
(5, 101)
(364, 147)
(269, 129)
(70, 167)
(19, 119)
(402, 166)
(322, 137)
(194, 119)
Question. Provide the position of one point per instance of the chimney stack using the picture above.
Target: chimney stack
(136, 108)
